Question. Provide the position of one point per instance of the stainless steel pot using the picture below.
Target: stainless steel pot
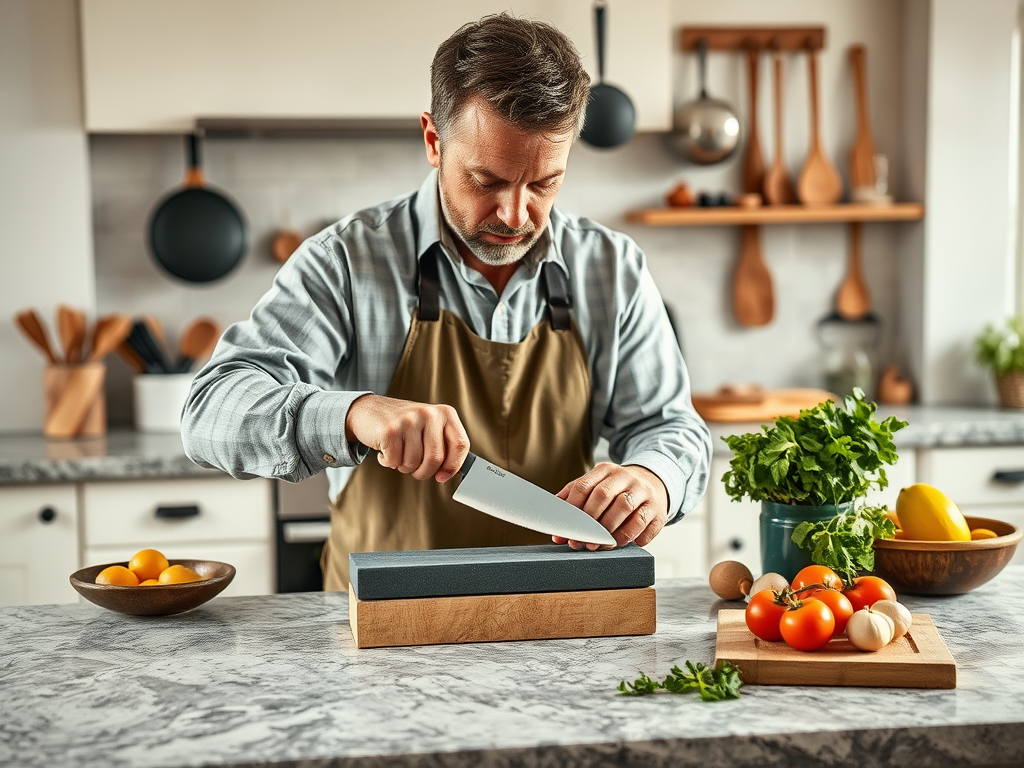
(706, 131)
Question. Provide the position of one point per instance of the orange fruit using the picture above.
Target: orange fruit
(147, 564)
(178, 574)
(117, 575)
(149, 583)
(982, 533)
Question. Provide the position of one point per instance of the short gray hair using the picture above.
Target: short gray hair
(527, 71)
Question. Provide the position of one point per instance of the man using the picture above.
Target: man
(469, 314)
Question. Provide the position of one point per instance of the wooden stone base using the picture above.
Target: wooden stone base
(491, 618)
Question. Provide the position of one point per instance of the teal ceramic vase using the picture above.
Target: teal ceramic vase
(778, 521)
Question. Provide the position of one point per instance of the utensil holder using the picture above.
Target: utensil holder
(73, 401)
(1011, 389)
(159, 400)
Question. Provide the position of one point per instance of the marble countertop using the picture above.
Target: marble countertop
(277, 681)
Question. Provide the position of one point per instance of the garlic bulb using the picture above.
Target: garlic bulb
(869, 630)
(899, 614)
(771, 581)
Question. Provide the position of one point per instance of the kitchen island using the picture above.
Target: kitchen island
(276, 680)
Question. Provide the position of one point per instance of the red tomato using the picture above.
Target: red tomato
(840, 606)
(808, 627)
(868, 590)
(763, 614)
(816, 574)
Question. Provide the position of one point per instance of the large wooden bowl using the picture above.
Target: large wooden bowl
(157, 600)
(946, 567)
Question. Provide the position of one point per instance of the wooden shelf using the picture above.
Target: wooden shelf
(775, 214)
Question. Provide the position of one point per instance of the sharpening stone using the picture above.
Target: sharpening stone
(497, 571)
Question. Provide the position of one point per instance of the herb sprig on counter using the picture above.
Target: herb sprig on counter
(845, 543)
(717, 684)
(827, 455)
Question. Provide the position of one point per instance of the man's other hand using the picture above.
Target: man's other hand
(414, 438)
(631, 502)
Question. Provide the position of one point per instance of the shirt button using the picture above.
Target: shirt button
(329, 459)
(501, 308)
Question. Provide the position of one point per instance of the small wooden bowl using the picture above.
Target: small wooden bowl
(158, 600)
(946, 567)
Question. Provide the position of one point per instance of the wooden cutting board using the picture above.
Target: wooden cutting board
(770, 405)
(919, 659)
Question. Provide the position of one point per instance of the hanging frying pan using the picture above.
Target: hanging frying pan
(610, 114)
(196, 234)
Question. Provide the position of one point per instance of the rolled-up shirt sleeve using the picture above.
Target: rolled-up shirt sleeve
(263, 406)
(650, 420)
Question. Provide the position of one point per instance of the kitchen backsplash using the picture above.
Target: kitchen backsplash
(307, 183)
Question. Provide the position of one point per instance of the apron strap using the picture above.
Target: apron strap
(559, 298)
(556, 287)
(429, 287)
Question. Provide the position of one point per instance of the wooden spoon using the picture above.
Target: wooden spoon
(819, 183)
(197, 342)
(284, 244)
(71, 329)
(110, 333)
(862, 155)
(753, 165)
(853, 302)
(778, 187)
(30, 324)
(752, 296)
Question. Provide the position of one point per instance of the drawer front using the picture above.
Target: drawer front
(975, 475)
(38, 544)
(253, 561)
(734, 527)
(161, 512)
(682, 549)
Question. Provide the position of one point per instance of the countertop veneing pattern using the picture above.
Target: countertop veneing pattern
(277, 680)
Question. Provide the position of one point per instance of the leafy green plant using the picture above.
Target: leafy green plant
(717, 684)
(1002, 348)
(827, 455)
(845, 543)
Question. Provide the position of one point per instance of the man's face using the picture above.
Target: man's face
(497, 182)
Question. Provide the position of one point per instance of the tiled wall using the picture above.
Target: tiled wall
(307, 183)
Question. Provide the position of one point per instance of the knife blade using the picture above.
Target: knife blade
(499, 493)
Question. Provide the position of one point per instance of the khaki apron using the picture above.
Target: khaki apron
(525, 406)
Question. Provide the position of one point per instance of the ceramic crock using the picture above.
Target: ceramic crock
(779, 554)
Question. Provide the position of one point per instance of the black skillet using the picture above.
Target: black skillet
(196, 234)
(610, 113)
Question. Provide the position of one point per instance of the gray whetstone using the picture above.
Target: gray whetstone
(497, 570)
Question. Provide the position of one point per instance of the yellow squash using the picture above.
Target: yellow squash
(926, 513)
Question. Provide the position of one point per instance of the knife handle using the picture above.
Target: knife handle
(361, 451)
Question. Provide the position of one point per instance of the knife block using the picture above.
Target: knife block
(489, 594)
(73, 401)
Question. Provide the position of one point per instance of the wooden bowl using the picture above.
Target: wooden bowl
(158, 600)
(946, 567)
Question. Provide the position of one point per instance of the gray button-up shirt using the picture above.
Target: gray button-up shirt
(272, 400)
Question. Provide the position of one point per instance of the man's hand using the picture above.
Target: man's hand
(631, 502)
(414, 438)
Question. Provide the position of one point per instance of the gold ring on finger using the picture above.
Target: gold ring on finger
(629, 500)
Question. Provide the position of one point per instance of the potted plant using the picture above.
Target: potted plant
(808, 472)
(1002, 349)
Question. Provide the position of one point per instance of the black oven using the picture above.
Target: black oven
(303, 525)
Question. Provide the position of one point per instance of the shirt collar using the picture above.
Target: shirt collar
(431, 229)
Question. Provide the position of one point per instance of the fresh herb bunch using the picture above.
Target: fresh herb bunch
(1002, 348)
(827, 455)
(718, 684)
(845, 543)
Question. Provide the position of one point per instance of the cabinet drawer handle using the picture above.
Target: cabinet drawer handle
(47, 514)
(1009, 476)
(176, 513)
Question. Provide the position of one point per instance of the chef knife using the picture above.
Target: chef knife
(499, 493)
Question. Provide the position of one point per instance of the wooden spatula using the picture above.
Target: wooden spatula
(197, 342)
(110, 333)
(753, 164)
(853, 302)
(30, 324)
(862, 155)
(752, 297)
(778, 187)
(819, 183)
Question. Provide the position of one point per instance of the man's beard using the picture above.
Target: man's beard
(492, 254)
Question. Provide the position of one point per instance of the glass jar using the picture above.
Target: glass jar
(849, 351)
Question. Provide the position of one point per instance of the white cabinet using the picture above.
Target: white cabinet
(681, 549)
(38, 544)
(156, 66)
(216, 519)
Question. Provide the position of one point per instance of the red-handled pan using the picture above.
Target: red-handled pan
(196, 234)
